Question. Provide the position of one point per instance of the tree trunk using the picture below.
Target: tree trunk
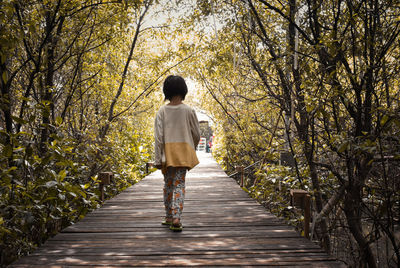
(305, 124)
(47, 98)
(352, 208)
(6, 107)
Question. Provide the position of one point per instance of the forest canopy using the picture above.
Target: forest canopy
(304, 92)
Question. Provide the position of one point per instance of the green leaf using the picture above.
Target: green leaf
(343, 147)
(309, 108)
(50, 184)
(59, 120)
(19, 149)
(4, 77)
(19, 120)
(62, 174)
(384, 120)
(82, 193)
(49, 199)
(54, 217)
(11, 169)
(7, 151)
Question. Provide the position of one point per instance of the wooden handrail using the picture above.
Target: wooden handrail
(236, 173)
(240, 170)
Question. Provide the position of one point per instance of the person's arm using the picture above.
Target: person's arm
(195, 128)
(158, 140)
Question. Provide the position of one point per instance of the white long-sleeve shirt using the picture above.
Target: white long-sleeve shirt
(177, 133)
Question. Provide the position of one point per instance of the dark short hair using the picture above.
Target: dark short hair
(174, 85)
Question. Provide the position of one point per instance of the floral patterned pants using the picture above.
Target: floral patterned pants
(174, 191)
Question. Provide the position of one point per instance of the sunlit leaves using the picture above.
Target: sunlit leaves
(51, 178)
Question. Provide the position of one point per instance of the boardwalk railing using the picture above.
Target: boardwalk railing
(298, 198)
(240, 171)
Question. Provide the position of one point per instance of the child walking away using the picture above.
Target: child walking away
(177, 133)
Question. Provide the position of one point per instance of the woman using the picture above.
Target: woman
(177, 133)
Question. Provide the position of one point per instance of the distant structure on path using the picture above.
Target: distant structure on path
(206, 133)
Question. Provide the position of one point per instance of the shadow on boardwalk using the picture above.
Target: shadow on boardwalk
(223, 227)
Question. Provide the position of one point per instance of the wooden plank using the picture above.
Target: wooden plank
(124, 251)
(223, 227)
(191, 260)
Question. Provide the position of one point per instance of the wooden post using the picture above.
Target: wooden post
(301, 198)
(307, 215)
(105, 179)
(148, 166)
(240, 170)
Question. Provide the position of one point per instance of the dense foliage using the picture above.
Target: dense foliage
(78, 82)
(313, 84)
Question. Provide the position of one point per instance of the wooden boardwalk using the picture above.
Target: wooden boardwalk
(223, 227)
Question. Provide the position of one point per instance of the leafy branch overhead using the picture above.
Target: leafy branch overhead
(79, 80)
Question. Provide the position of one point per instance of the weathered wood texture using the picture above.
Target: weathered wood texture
(222, 227)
